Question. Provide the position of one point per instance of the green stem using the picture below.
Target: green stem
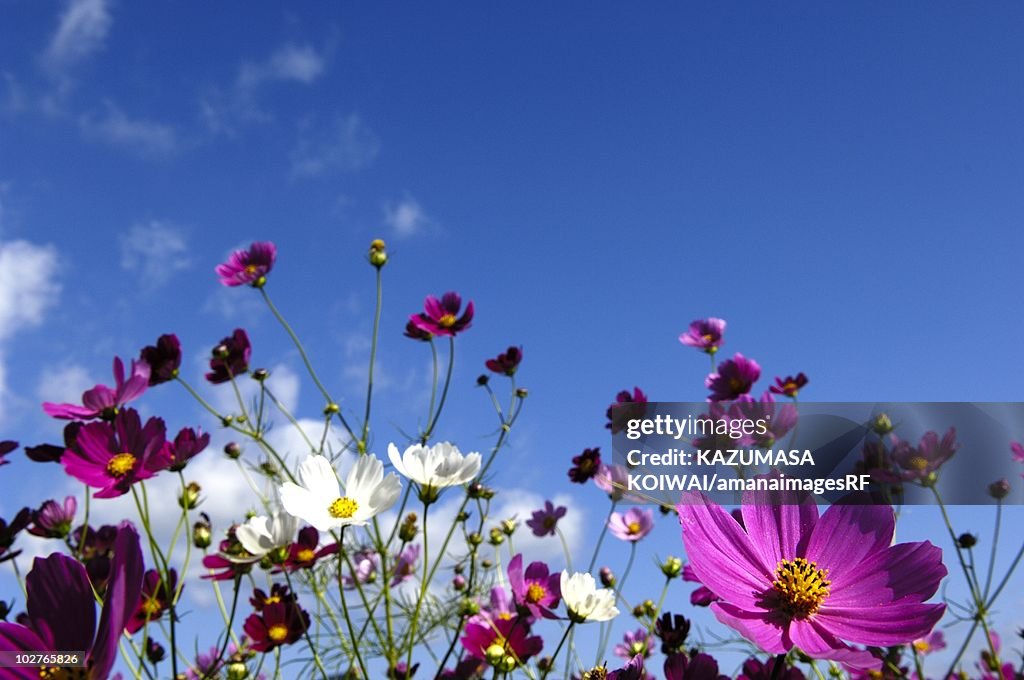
(444, 390)
(558, 649)
(305, 634)
(373, 358)
(427, 575)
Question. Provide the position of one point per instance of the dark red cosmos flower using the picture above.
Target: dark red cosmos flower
(248, 267)
(627, 406)
(164, 359)
(230, 357)
(62, 611)
(10, 531)
(96, 548)
(154, 600)
(5, 448)
(230, 561)
(303, 553)
(734, 377)
(279, 592)
(187, 444)
(507, 362)
(585, 465)
(441, 317)
(672, 631)
(697, 667)
(50, 453)
(789, 385)
(755, 669)
(277, 624)
(414, 332)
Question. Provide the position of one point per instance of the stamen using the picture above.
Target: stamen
(801, 587)
(343, 508)
(277, 632)
(535, 593)
(121, 464)
(447, 321)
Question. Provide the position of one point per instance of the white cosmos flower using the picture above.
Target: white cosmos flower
(435, 467)
(261, 535)
(319, 500)
(585, 601)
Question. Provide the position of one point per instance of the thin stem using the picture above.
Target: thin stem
(373, 358)
(561, 642)
(305, 633)
(600, 539)
(995, 542)
(444, 390)
(427, 575)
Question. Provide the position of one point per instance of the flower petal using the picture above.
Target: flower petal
(753, 625)
(60, 596)
(721, 553)
(778, 523)
(894, 624)
(317, 475)
(818, 643)
(119, 602)
(847, 534)
(903, 572)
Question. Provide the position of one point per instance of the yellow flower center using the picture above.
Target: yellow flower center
(343, 508)
(57, 673)
(801, 587)
(250, 269)
(918, 463)
(535, 593)
(446, 321)
(305, 555)
(876, 675)
(278, 632)
(505, 616)
(708, 337)
(273, 599)
(121, 464)
(922, 646)
(151, 607)
(634, 527)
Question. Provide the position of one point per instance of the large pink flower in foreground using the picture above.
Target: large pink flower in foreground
(794, 579)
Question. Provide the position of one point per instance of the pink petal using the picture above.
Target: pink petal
(847, 534)
(883, 626)
(779, 525)
(753, 625)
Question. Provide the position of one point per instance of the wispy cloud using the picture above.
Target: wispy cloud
(81, 30)
(64, 383)
(224, 109)
(405, 217)
(346, 143)
(156, 250)
(144, 137)
(28, 288)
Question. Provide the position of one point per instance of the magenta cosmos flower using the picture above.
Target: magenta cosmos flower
(632, 525)
(704, 334)
(62, 611)
(102, 401)
(441, 317)
(511, 636)
(507, 362)
(921, 462)
(113, 456)
(734, 377)
(164, 359)
(248, 267)
(794, 579)
(53, 520)
(535, 589)
(627, 406)
(790, 385)
(545, 521)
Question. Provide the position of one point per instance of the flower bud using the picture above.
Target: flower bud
(967, 540)
(650, 609)
(5, 609)
(459, 568)
(494, 654)
(666, 509)
(232, 450)
(331, 408)
(155, 652)
(408, 530)
(459, 583)
(462, 516)
(881, 424)
(522, 392)
(475, 490)
(672, 567)
(638, 610)
(496, 538)
(202, 533)
(607, 577)
(378, 253)
(545, 664)
(482, 379)
(221, 351)
(260, 374)
(508, 526)
(237, 671)
(999, 489)
(189, 497)
(474, 539)
(468, 607)
(486, 564)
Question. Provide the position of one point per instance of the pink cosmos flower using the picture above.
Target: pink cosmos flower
(920, 462)
(790, 385)
(102, 401)
(113, 456)
(793, 579)
(631, 526)
(536, 589)
(734, 377)
(545, 520)
(704, 334)
(1018, 451)
(635, 643)
(441, 317)
(932, 643)
(511, 634)
(248, 267)
(405, 565)
(53, 520)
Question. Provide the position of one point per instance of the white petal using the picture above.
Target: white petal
(301, 503)
(363, 477)
(254, 536)
(396, 460)
(317, 475)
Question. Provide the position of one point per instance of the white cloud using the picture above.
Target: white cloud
(156, 250)
(345, 144)
(405, 217)
(144, 137)
(63, 383)
(81, 31)
(224, 108)
(299, 63)
(27, 289)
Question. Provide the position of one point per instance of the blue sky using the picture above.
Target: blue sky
(842, 184)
